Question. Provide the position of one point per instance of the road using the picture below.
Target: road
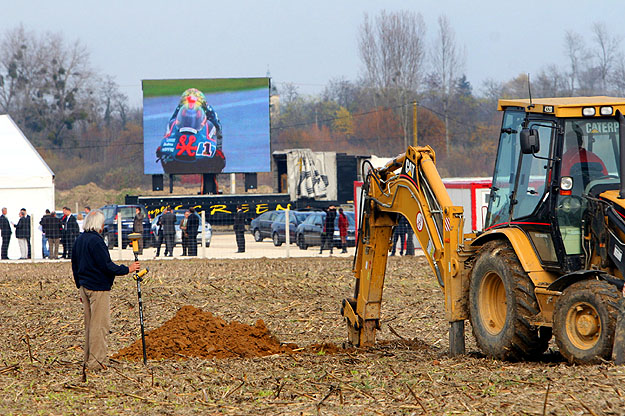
(223, 246)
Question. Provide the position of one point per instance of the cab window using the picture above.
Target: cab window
(505, 169)
(533, 173)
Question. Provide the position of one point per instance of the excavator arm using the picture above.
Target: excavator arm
(417, 192)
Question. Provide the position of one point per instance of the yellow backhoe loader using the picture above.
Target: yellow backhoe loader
(550, 260)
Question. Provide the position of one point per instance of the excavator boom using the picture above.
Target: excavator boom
(417, 192)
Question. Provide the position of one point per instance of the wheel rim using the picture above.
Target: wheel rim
(275, 239)
(257, 235)
(492, 303)
(583, 325)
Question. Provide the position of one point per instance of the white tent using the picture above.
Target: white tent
(26, 181)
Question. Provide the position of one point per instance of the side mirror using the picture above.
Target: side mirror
(530, 143)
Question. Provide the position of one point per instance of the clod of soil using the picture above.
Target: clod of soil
(195, 333)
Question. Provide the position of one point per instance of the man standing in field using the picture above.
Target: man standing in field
(52, 227)
(239, 229)
(5, 230)
(94, 273)
(168, 222)
(22, 233)
(193, 223)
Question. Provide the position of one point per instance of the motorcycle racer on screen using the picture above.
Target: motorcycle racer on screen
(193, 140)
(194, 96)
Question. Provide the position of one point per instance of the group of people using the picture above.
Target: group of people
(166, 232)
(58, 232)
(327, 236)
(22, 233)
(55, 231)
(403, 233)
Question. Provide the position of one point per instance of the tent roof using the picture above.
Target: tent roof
(18, 157)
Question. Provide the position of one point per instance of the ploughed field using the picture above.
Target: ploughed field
(264, 336)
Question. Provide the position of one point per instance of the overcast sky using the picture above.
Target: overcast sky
(306, 43)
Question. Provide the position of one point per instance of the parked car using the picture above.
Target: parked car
(278, 227)
(260, 227)
(178, 239)
(113, 213)
(308, 233)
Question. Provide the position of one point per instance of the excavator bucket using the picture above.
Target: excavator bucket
(618, 351)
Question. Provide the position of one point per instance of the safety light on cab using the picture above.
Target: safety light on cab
(566, 184)
(606, 111)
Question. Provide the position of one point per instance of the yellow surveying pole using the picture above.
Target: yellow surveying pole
(414, 123)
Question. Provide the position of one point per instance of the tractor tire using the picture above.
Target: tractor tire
(584, 321)
(501, 299)
(300, 242)
(257, 236)
(276, 240)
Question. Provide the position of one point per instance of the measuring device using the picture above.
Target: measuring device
(138, 276)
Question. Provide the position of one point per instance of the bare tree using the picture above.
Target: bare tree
(576, 52)
(605, 53)
(447, 62)
(550, 82)
(618, 76)
(392, 49)
(45, 83)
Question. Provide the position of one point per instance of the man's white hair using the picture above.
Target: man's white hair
(94, 221)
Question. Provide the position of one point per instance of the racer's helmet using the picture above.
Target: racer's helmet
(191, 116)
(193, 96)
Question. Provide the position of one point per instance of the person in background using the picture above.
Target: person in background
(87, 209)
(137, 226)
(399, 233)
(183, 232)
(328, 229)
(193, 223)
(45, 251)
(70, 232)
(159, 237)
(51, 227)
(343, 224)
(5, 232)
(168, 222)
(94, 273)
(80, 219)
(22, 233)
(409, 240)
(239, 229)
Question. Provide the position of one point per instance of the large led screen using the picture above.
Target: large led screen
(206, 126)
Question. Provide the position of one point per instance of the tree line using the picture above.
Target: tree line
(82, 124)
(373, 114)
(76, 117)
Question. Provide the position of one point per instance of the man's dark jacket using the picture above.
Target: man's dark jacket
(329, 221)
(168, 221)
(193, 223)
(22, 228)
(239, 221)
(51, 226)
(5, 227)
(137, 223)
(71, 228)
(92, 265)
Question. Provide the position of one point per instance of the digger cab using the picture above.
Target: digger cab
(553, 155)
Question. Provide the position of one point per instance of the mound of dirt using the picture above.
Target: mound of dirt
(195, 333)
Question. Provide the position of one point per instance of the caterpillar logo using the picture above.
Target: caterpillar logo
(409, 168)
